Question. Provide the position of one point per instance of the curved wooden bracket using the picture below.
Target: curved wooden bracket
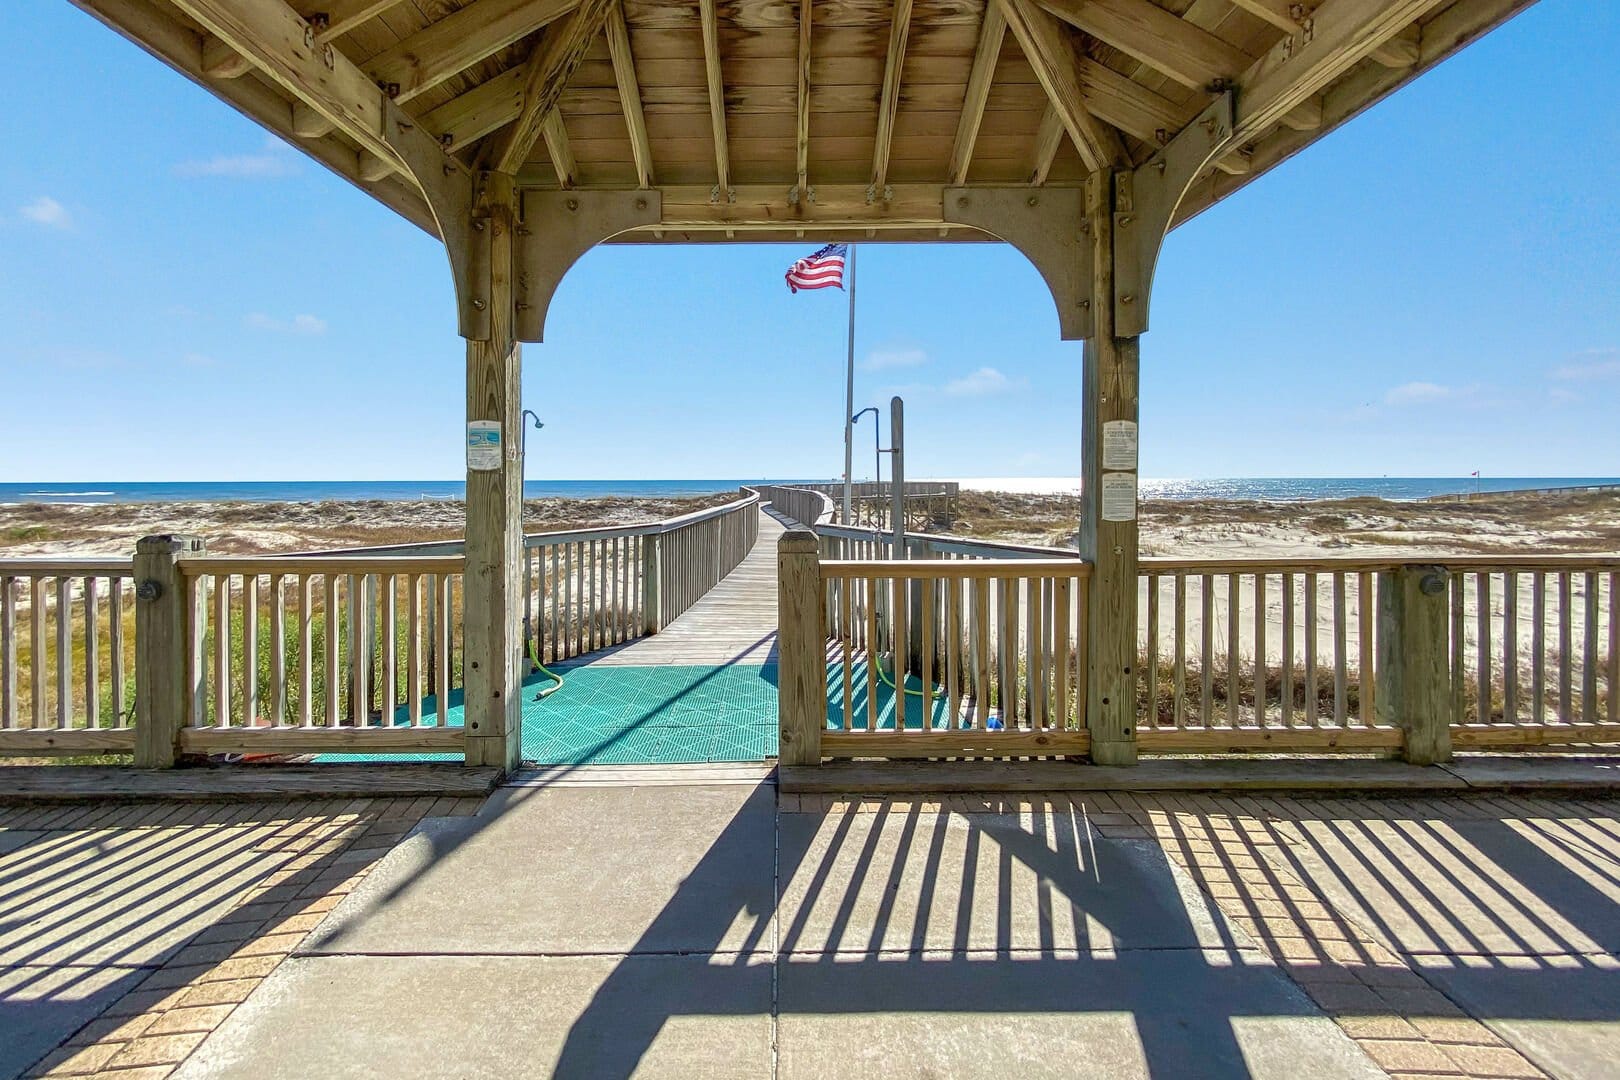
(557, 228)
(1144, 202)
(1048, 226)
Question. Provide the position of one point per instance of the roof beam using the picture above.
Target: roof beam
(276, 40)
(624, 73)
(889, 102)
(308, 123)
(1279, 13)
(1402, 50)
(1047, 142)
(1128, 105)
(460, 40)
(334, 18)
(220, 61)
(551, 64)
(1159, 39)
(1343, 33)
(562, 155)
(992, 32)
(487, 107)
(1047, 46)
(802, 130)
(717, 93)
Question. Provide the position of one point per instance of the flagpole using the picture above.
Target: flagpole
(849, 398)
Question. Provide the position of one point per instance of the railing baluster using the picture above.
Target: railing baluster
(306, 650)
(92, 655)
(1260, 670)
(1234, 650)
(1206, 696)
(1538, 647)
(250, 649)
(36, 660)
(446, 671)
(1589, 644)
(333, 680)
(1459, 646)
(1566, 709)
(899, 649)
(64, 653)
(1285, 693)
(1613, 684)
(388, 691)
(413, 651)
(115, 644)
(1510, 647)
(8, 652)
(1062, 596)
(1313, 707)
(1482, 621)
(872, 650)
(927, 589)
(843, 648)
(1366, 673)
(222, 650)
(1152, 665)
(1178, 704)
(278, 650)
(1341, 681)
(554, 599)
(981, 658)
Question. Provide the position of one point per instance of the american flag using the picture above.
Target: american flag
(823, 270)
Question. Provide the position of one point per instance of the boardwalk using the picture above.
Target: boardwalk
(735, 623)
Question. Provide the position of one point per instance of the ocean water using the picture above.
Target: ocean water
(1270, 488)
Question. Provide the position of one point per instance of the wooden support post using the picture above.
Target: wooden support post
(1414, 672)
(802, 646)
(493, 601)
(1108, 531)
(162, 636)
(651, 622)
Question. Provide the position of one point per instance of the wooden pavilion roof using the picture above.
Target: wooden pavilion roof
(779, 118)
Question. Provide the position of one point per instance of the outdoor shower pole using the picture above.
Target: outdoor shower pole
(897, 475)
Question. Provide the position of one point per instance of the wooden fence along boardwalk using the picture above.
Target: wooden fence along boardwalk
(733, 623)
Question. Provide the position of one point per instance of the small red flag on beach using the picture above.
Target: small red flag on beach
(823, 270)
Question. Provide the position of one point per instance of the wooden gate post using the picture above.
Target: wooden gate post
(1108, 534)
(162, 646)
(801, 648)
(493, 606)
(1414, 671)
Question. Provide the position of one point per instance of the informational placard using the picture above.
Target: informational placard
(1119, 444)
(1119, 496)
(483, 445)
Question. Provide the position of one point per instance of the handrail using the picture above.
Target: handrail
(928, 569)
(95, 566)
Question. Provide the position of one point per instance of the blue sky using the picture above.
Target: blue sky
(1431, 290)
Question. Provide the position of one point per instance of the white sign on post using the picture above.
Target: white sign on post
(483, 445)
(1119, 496)
(1119, 444)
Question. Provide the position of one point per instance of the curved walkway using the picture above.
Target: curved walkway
(734, 623)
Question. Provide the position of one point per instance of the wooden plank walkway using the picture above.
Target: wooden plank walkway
(735, 623)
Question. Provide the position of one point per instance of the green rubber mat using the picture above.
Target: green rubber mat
(618, 715)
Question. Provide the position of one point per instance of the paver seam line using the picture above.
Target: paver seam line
(776, 933)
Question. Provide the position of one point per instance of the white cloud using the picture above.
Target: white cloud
(1599, 364)
(298, 324)
(985, 381)
(880, 359)
(1562, 395)
(1418, 393)
(47, 211)
(195, 359)
(271, 161)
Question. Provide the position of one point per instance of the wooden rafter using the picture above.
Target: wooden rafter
(1343, 33)
(308, 123)
(992, 31)
(889, 101)
(220, 61)
(1047, 46)
(624, 74)
(460, 40)
(802, 127)
(1279, 13)
(341, 16)
(1165, 42)
(271, 36)
(562, 156)
(551, 64)
(717, 93)
(1127, 104)
(1047, 142)
(487, 107)
(1402, 50)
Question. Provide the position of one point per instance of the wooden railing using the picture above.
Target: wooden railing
(349, 652)
(321, 654)
(1302, 655)
(67, 655)
(804, 505)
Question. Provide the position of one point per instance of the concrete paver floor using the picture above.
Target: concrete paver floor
(584, 926)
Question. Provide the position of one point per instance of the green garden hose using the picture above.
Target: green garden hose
(885, 677)
(557, 683)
